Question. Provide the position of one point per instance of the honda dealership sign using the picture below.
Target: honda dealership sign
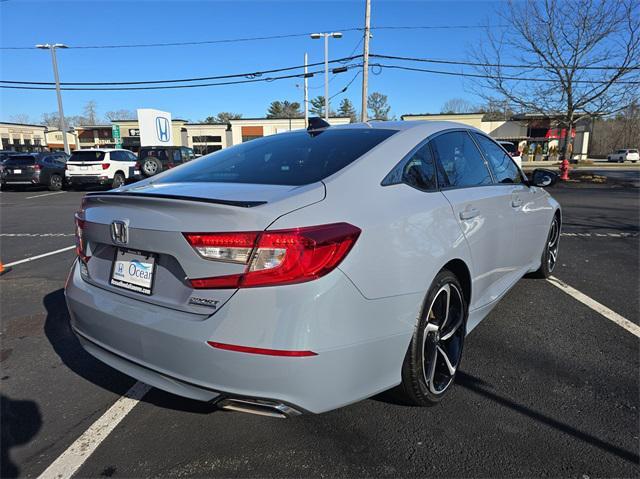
(155, 127)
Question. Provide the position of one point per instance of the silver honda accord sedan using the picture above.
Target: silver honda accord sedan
(307, 270)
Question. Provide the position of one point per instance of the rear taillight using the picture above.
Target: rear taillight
(37, 167)
(170, 165)
(275, 257)
(81, 245)
(105, 166)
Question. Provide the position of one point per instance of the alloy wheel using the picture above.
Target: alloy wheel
(150, 167)
(55, 182)
(552, 244)
(442, 339)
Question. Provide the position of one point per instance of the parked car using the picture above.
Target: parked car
(305, 271)
(625, 154)
(35, 169)
(155, 159)
(512, 149)
(101, 166)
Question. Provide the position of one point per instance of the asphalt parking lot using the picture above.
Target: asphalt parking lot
(548, 386)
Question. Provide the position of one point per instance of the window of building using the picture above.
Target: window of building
(246, 138)
(504, 168)
(207, 139)
(459, 161)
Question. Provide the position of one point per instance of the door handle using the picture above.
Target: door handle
(469, 213)
(516, 202)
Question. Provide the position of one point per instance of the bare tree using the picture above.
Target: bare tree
(575, 58)
(90, 113)
(20, 118)
(120, 115)
(458, 105)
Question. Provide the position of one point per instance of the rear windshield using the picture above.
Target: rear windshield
(633, 151)
(87, 156)
(287, 159)
(20, 160)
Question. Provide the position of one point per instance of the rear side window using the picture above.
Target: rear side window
(460, 162)
(297, 158)
(87, 156)
(504, 169)
(419, 171)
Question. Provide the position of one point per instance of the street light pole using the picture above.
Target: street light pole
(306, 93)
(326, 66)
(61, 121)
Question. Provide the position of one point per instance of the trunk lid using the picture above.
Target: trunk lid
(87, 162)
(156, 217)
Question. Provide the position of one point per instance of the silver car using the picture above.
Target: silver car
(308, 270)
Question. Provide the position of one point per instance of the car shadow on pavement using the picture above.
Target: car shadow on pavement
(482, 388)
(68, 348)
(20, 422)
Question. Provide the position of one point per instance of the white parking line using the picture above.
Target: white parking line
(597, 307)
(76, 454)
(45, 194)
(32, 258)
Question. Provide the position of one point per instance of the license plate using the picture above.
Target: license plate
(133, 270)
(17, 172)
(84, 167)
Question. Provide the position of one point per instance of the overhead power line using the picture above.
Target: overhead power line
(168, 87)
(259, 38)
(477, 75)
(249, 75)
(481, 64)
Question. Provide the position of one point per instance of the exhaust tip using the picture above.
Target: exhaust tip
(259, 407)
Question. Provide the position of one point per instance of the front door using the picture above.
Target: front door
(483, 210)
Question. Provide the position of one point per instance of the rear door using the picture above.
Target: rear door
(86, 163)
(483, 210)
(19, 168)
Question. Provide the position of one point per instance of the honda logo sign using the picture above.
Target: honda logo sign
(155, 127)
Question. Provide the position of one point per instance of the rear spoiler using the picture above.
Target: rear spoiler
(242, 204)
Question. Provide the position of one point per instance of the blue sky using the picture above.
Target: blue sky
(25, 23)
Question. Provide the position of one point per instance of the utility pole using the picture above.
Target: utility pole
(61, 120)
(365, 59)
(306, 94)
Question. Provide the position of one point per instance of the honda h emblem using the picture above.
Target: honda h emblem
(162, 128)
(119, 232)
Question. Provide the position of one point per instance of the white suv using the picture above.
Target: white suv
(100, 166)
(624, 155)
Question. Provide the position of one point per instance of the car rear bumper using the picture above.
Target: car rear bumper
(87, 179)
(168, 349)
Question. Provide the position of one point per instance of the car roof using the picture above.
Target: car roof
(105, 150)
(428, 127)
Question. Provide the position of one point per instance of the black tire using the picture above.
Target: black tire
(151, 166)
(549, 258)
(55, 182)
(118, 180)
(4, 186)
(426, 375)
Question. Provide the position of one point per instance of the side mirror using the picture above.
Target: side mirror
(543, 178)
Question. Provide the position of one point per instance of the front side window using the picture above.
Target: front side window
(459, 161)
(504, 169)
(296, 158)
